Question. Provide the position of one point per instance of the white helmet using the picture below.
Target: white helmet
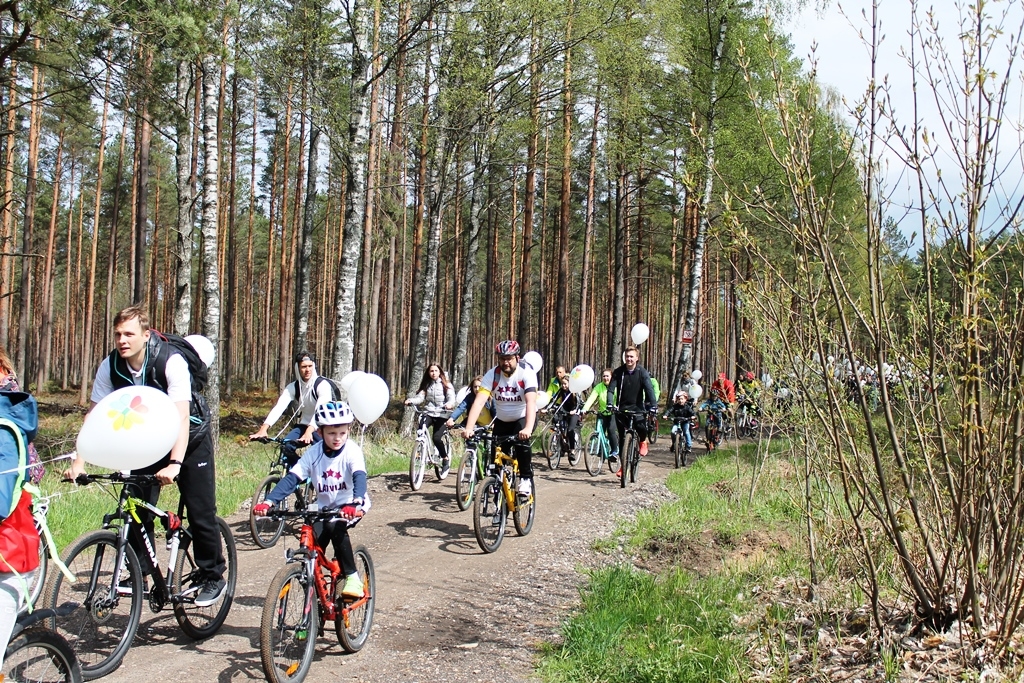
(333, 413)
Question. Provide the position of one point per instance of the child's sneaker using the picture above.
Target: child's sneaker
(353, 587)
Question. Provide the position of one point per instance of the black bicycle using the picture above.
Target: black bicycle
(629, 446)
(110, 587)
(266, 530)
(556, 441)
(36, 653)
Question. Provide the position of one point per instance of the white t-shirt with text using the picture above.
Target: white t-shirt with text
(510, 392)
(332, 477)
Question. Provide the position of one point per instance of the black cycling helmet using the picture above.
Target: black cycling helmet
(509, 347)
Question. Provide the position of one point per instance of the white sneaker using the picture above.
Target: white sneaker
(525, 487)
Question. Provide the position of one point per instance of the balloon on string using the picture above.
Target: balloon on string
(461, 394)
(695, 391)
(543, 398)
(639, 333)
(368, 396)
(696, 375)
(129, 429)
(204, 347)
(581, 378)
(348, 380)
(533, 360)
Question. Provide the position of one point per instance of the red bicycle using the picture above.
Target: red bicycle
(290, 624)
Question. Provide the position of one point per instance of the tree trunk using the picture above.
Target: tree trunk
(211, 293)
(231, 291)
(697, 270)
(588, 242)
(35, 123)
(87, 364)
(142, 231)
(421, 202)
(524, 333)
(44, 343)
(6, 236)
(354, 161)
(562, 328)
(183, 166)
(301, 340)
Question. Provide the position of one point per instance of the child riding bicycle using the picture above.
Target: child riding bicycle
(681, 412)
(338, 470)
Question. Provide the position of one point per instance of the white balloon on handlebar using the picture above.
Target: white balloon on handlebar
(129, 429)
(533, 360)
(543, 398)
(695, 391)
(581, 378)
(368, 397)
(639, 333)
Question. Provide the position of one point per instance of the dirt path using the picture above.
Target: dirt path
(445, 611)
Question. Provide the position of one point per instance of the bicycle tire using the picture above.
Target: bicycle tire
(417, 465)
(592, 457)
(288, 626)
(264, 530)
(41, 654)
(203, 622)
(634, 466)
(353, 625)
(626, 456)
(525, 508)
(652, 434)
(553, 449)
(465, 479)
(438, 472)
(677, 450)
(490, 515)
(99, 631)
(37, 581)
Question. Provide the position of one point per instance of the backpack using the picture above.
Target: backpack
(335, 389)
(19, 541)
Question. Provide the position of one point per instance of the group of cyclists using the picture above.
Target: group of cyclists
(505, 397)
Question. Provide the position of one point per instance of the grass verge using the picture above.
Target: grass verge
(677, 611)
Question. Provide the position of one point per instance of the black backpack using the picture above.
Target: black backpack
(335, 389)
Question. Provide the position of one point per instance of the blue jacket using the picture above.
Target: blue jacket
(19, 419)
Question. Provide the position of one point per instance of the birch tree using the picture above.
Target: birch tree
(211, 196)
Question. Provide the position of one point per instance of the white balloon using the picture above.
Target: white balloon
(695, 391)
(129, 429)
(348, 380)
(581, 378)
(543, 398)
(639, 333)
(533, 359)
(461, 394)
(368, 397)
(696, 375)
(204, 347)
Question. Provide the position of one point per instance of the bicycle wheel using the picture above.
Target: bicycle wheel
(634, 466)
(264, 530)
(39, 654)
(202, 622)
(102, 629)
(592, 457)
(652, 433)
(677, 449)
(526, 510)
(465, 479)
(491, 514)
(553, 449)
(418, 465)
(289, 624)
(626, 456)
(37, 581)
(353, 622)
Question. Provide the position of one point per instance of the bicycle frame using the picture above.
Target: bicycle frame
(602, 440)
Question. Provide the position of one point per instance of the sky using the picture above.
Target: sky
(832, 29)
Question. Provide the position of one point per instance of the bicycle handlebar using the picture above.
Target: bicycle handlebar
(328, 513)
(85, 478)
(279, 440)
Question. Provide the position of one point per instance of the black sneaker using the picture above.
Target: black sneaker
(446, 466)
(211, 592)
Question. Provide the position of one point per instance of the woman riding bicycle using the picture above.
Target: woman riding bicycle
(566, 406)
(339, 470)
(467, 402)
(439, 396)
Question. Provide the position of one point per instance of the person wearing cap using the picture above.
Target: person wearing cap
(514, 390)
(337, 468)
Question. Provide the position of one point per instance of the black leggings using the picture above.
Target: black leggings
(639, 424)
(522, 451)
(336, 531)
(439, 427)
(197, 484)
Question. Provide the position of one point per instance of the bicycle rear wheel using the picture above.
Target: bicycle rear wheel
(101, 630)
(37, 581)
(465, 479)
(353, 623)
(264, 530)
(652, 433)
(289, 624)
(418, 465)
(553, 448)
(677, 450)
(626, 453)
(40, 654)
(490, 516)
(526, 510)
(592, 457)
(202, 622)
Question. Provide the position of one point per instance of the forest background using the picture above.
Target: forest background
(390, 184)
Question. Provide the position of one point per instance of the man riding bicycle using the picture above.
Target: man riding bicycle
(514, 389)
(632, 392)
(308, 391)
